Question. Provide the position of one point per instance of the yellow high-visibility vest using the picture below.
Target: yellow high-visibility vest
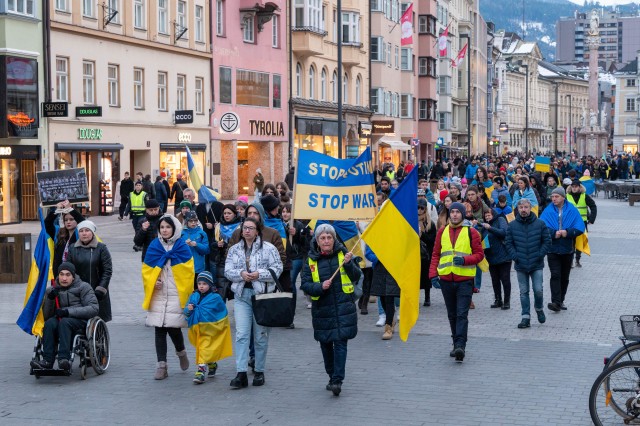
(347, 285)
(137, 202)
(581, 205)
(449, 251)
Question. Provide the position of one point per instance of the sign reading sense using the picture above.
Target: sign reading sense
(332, 189)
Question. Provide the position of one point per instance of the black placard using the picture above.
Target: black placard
(55, 109)
(59, 185)
(89, 111)
(183, 116)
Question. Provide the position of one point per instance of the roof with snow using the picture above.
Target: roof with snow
(630, 68)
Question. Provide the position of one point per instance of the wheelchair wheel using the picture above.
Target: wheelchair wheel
(99, 346)
(37, 352)
(83, 369)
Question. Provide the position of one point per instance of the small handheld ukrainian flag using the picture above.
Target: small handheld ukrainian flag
(205, 194)
(393, 236)
(31, 319)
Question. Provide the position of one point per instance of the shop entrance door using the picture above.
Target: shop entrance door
(29, 190)
(243, 169)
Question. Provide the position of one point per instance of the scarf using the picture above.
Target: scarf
(477, 205)
(567, 218)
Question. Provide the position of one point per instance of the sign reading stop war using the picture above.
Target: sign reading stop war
(59, 185)
(331, 189)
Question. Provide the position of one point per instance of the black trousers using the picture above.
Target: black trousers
(61, 331)
(501, 280)
(389, 306)
(161, 341)
(366, 287)
(123, 204)
(560, 267)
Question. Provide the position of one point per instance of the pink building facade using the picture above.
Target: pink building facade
(426, 93)
(249, 120)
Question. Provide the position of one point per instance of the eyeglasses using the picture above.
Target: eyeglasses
(422, 208)
(249, 228)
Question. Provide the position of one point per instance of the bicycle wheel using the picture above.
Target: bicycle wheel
(613, 394)
(622, 354)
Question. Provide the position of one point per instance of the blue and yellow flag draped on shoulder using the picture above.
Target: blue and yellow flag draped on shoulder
(277, 224)
(181, 265)
(209, 329)
(393, 236)
(205, 194)
(331, 189)
(31, 319)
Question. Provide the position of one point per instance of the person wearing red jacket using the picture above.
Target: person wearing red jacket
(457, 251)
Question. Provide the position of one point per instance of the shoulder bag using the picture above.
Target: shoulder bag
(273, 309)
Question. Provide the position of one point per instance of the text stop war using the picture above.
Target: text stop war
(355, 201)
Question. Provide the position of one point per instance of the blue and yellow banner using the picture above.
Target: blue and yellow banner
(31, 319)
(543, 164)
(209, 329)
(393, 237)
(332, 189)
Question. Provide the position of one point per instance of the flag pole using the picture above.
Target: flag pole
(342, 264)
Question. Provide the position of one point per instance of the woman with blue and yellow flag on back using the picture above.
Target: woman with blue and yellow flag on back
(167, 276)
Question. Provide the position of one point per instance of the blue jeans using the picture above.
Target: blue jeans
(536, 283)
(457, 298)
(478, 280)
(296, 267)
(243, 314)
(335, 359)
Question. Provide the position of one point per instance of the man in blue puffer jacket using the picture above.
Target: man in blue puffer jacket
(531, 238)
(499, 188)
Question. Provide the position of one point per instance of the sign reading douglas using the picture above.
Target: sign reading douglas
(332, 189)
(60, 185)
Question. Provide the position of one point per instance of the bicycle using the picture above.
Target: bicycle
(631, 332)
(615, 393)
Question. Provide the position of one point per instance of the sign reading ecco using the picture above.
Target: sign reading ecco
(184, 116)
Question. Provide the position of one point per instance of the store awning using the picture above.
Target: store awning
(394, 143)
(180, 146)
(70, 146)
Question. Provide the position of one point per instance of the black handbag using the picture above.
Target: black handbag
(273, 309)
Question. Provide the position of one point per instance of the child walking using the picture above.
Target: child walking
(209, 330)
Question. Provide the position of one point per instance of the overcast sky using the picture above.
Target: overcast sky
(606, 2)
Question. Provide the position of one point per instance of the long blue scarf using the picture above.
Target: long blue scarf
(570, 217)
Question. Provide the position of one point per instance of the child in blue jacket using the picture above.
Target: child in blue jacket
(197, 240)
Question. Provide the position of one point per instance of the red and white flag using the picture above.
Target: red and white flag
(442, 42)
(458, 60)
(406, 25)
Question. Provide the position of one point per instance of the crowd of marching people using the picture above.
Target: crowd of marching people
(474, 215)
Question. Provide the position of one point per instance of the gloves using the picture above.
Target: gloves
(61, 313)
(458, 260)
(435, 282)
(53, 293)
(101, 292)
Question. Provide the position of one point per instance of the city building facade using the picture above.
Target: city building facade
(626, 137)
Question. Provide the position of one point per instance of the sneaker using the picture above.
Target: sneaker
(199, 377)
(258, 379)
(308, 305)
(328, 387)
(43, 364)
(525, 323)
(213, 367)
(382, 319)
(64, 364)
(459, 354)
(553, 307)
(120, 218)
(542, 318)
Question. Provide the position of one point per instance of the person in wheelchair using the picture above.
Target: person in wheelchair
(66, 309)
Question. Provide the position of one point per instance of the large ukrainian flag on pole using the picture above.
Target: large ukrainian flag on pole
(31, 319)
(205, 194)
(393, 236)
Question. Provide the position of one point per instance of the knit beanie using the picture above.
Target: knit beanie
(87, 224)
(560, 191)
(458, 206)
(269, 202)
(186, 203)
(67, 266)
(205, 276)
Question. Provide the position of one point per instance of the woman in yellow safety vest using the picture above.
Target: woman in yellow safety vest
(328, 277)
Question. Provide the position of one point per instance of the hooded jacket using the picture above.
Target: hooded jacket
(498, 192)
(334, 315)
(79, 299)
(527, 242)
(497, 253)
(202, 246)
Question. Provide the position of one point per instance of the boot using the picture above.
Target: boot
(525, 323)
(184, 359)
(497, 303)
(336, 388)
(578, 264)
(240, 381)
(506, 305)
(388, 332)
(161, 371)
(258, 379)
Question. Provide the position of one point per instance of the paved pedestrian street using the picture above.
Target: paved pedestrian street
(536, 376)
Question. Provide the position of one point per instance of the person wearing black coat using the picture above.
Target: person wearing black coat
(126, 188)
(148, 186)
(93, 265)
(176, 193)
(498, 258)
(148, 230)
(527, 243)
(65, 236)
(161, 193)
(333, 312)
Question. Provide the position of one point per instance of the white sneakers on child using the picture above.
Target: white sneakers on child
(381, 320)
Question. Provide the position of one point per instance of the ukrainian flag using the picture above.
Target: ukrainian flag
(205, 194)
(349, 234)
(543, 164)
(31, 319)
(209, 329)
(393, 237)
(181, 265)
(277, 224)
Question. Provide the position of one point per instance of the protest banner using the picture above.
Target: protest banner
(331, 189)
(59, 185)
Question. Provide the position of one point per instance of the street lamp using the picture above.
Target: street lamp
(468, 37)
(570, 123)
(526, 106)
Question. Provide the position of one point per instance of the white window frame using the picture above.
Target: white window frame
(88, 9)
(89, 82)
(631, 82)
(345, 88)
(113, 83)
(61, 5)
(358, 91)
(376, 5)
(422, 109)
(115, 5)
(248, 31)
(220, 18)
(388, 55)
(199, 86)
(199, 24)
(394, 104)
(350, 28)
(138, 88)
(630, 104)
(62, 79)
(275, 36)
(298, 80)
(162, 90)
(139, 20)
(312, 82)
(387, 103)
(323, 85)
(181, 15)
(21, 7)
(396, 55)
(163, 17)
(181, 92)
(406, 52)
(406, 105)
(379, 49)
(376, 99)
(334, 87)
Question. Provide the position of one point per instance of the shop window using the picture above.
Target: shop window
(21, 100)
(225, 85)
(173, 162)
(252, 88)
(9, 205)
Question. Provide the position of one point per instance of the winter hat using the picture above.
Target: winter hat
(186, 203)
(190, 215)
(242, 204)
(421, 193)
(457, 185)
(463, 181)
(269, 202)
(422, 203)
(151, 204)
(179, 176)
(560, 191)
(230, 207)
(443, 194)
(244, 199)
(87, 224)
(138, 182)
(566, 181)
(573, 182)
(458, 206)
(163, 174)
(67, 266)
(498, 180)
(206, 277)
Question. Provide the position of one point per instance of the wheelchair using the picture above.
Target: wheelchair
(92, 348)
